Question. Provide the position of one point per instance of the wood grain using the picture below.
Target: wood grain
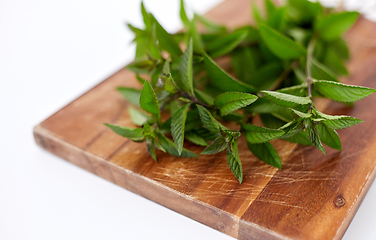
(314, 196)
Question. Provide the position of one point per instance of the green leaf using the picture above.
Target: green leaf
(284, 114)
(209, 121)
(166, 41)
(191, 29)
(218, 145)
(234, 117)
(193, 120)
(146, 16)
(297, 90)
(270, 121)
(299, 114)
(142, 67)
(266, 53)
(156, 72)
(332, 26)
(277, 20)
(186, 83)
(178, 125)
(320, 71)
(257, 134)
(141, 48)
(256, 13)
(253, 34)
(300, 75)
(299, 138)
(266, 153)
(202, 96)
(135, 134)
(138, 32)
(131, 94)
(286, 100)
(171, 148)
(196, 36)
(148, 131)
(329, 136)
(342, 92)
(300, 35)
(234, 162)
(292, 128)
(280, 45)
(303, 12)
(338, 122)
(166, 67)
(154, 50)
(340, 48)
(162, 95)
(266, 75)
(196, 139)
(149, 101)
(137, 117)
(343, 122)
(231, 101)
(140, 80)
(270, 7)
(244, 61)
(174, 106)
(151, 148)
(264, 105)
(313, 134)
(334, 62)
(158, 145)
(170, 85)
(223, 80)
(183, 14)
(225, 44)
(205, 134)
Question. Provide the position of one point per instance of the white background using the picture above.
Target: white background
(52, 51)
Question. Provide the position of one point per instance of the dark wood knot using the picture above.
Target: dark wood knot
(340, 201)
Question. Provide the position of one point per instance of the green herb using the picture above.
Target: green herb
(294, 54)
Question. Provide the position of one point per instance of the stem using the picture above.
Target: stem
(186, 95)
(310, 48)
(193, 99)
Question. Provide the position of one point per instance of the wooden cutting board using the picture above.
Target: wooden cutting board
(314, 196)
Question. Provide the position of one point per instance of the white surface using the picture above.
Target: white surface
(50, 53)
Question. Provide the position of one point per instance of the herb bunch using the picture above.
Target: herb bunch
(293, 54)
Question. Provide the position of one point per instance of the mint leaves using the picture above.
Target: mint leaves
(222, 80)
(332, 26)
(191, 96)
(342, 92)
(286, 100)
(186, 83)
(280, 45)
(149, 101)
(178, 125)
(231, 101)
(135, 134)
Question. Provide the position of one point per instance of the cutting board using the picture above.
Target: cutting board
(314, 196)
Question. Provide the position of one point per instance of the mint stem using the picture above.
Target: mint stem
(194, 99)
(311, 46)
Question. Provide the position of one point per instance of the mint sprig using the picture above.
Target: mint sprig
(294, 54)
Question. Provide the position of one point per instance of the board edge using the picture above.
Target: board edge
(187, 206)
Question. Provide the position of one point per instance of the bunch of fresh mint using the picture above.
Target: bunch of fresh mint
(294, 54)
